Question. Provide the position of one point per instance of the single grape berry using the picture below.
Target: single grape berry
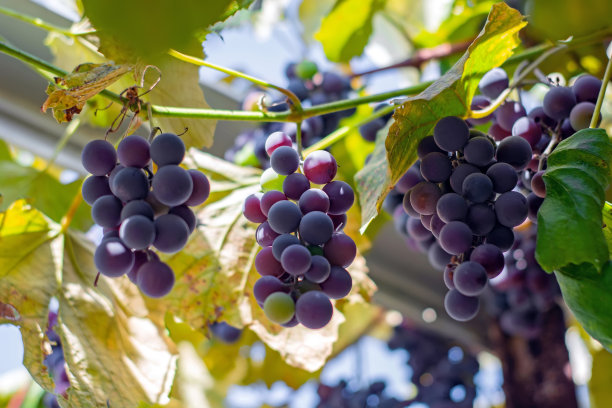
(295, 185)
(282, 242)
(470, 278)
(106, 211)
(338, 284)
(586, 88)
(558, 102)
(313, 310)
(269, 199)
(501, 236)
(296, 259)
(133, 151)
(479, 151)
(320, 167)
(436, 167)
(341, 196)
(95, 187)
(284, 160)
(340, 250)
(493, 83)
(480, 218)
(266, 264)
(428, 145)
(456, 237)
(130, 183)
(451, 133)
(537, 184)
(460, 307)
(172, 185)
(319, 269)
(508, 113)
(316, 228)
(99, 157)
(155, 279)
(490, 257)
(437, 256)
(313, 200)
(186, 214)
(137, 207)
(279, 307)
(451, 207)
(171, 233)
(284, 217)
(477, 187)
(137, 232)
(265, 286)
(511, 209)
(276, 140)
(411, 178)
(581, 114)
(424, 197)
(251, 208)
(503, 176)
(201, 188)
(167, 148)
(515, 151)
(528, 129)
(265, 235)
(112, 258)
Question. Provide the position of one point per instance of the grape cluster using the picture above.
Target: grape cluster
(468, 190)
(342, 396)
(55, 364)
(225, 333)
(523, 293)
(442, 371)
(139, 209)
(304, 250)
(312, 88)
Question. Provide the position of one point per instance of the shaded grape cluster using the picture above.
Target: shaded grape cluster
(139, 209)
(55, 364)
(442, 371)
(342, 396)
(524, 292)
(312, 88)
(304, 252)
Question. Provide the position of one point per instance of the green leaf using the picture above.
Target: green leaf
(113, 351)
(148, 28)
(311, 13)
(43, 191)
(571, 215)
(345, 31)
(449, 95)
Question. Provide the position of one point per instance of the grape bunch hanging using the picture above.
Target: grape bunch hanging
(467, 192)
(304, 250)
(139, 209)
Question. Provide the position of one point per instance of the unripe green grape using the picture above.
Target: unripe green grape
(306, 69)
(246, 156)
(270, 180)
(279, 307)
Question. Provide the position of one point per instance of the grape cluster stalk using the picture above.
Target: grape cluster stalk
(463, 199)
(313, 88)
(140, 210)
(304, 252)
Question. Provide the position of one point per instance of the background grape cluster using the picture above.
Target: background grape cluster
(312, 88)
(463, 199)
(304, 252)
(55, 364)
(139, 209)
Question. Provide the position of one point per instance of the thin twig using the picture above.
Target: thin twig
(602, 91)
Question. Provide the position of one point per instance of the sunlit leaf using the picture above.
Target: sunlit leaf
(449, 95)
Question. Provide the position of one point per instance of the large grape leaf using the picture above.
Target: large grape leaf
(572, 240)
(577, 176)
(345, 31)
(114, 353)
(449, 95)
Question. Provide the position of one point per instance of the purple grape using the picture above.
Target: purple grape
(410, 179)
(528, 129)
(295, 185)
(436, 225)
(113, 174)
(493, 83)
(566, 129)
(449, 272)
(586, 88)
(284, 160)
(480, 218)
(537, 184)
(265, 286)
(515, 151)
(167, 148)
(451, 207)
(266, 264)
(269, 199)
(339, 221)
(155, 279)
(130, 183)
(416, 230)
(338, 284)
(296, 259)
(581, 114)
(319, 270)
(407, 206)
(284, 217)
(265, 235)
(437, 256)
(477, 187)
(314, 310)
(424, 197)
(186, 214)
(225, 333)
(140, 258)
(201, 188)
(451, 133)
(508, 113)
(436, 167)
(470, 278)
(428, 145)
(320, 167)
(456, 237)
(503, 176)
(501, 236)
(341, 196)
(479, 151)
(490, 257)
(340, 250)
(95, 187)
(276, 140)
(369, 130)
(251, 208)
(282, 242)
(558, 102)
(137, 232)
(533, 204)
(333, 83)
(137, 207)
(511, 209)
(316, 228)
(112, 258)
(498, 133)
(99, 157)
(133, 151)
(106, 211)
(539, 117)
(460, 307)
(459, 175)
(172, 185)
(313, 200)
(171, 233)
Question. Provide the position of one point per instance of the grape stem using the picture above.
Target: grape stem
(554, 140)
(35, 21)
(70, 130)
(298, 139)
(602, 91)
